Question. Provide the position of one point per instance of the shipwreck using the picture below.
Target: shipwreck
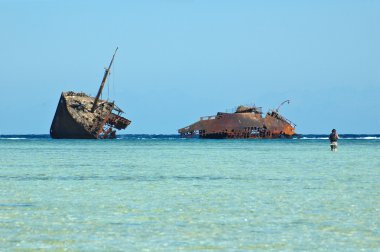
(245, 122)
(81, 116)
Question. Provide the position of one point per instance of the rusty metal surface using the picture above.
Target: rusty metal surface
(65, 126)
(118, 122)
(245, 122)
(74, 119)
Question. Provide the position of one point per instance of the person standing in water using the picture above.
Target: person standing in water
(334, 140)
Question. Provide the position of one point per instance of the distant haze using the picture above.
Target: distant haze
(182, 59)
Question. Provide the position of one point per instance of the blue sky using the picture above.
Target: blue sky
(182, 59)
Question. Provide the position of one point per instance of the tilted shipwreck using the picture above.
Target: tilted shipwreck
(245, 122)
(81, 116)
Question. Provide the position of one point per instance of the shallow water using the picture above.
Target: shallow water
(170, 194)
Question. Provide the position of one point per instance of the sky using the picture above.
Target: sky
(182, 59)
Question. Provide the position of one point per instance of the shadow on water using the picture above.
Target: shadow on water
(15, 205)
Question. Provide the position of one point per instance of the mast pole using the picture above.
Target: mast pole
(287, 101)
(106, 73)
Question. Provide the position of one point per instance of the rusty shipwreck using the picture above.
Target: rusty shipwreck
(245, 122)
(81, 116)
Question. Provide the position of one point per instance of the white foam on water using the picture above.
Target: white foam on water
(13, 138)
(314, 138)
(369, 138)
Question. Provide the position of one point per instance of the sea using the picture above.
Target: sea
(165, 193)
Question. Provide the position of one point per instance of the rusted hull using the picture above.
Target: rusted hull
(242, 124)
(64, 126)
(74, 120)
(246, 136)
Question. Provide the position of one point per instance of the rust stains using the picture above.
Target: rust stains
(245, 122)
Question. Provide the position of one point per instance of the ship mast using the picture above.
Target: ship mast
(106, 73)
(287, 101)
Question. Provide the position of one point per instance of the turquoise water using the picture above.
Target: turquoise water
(171, 194)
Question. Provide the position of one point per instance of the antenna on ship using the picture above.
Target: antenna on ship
(287, 101)
(106, 73)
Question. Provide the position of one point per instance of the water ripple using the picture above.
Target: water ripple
(119, 178)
